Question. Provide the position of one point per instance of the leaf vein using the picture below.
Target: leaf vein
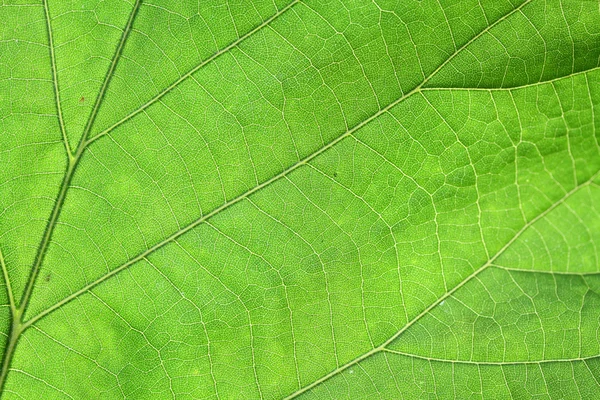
(191, 72)
(383, 346)
(55, 80)
(266, 183)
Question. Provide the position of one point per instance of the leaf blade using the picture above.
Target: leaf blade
(301, 254)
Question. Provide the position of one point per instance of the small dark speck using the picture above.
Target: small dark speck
(335, 174)
(82, 99)
(48, 277)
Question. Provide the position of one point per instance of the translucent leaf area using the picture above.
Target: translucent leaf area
(306, 199)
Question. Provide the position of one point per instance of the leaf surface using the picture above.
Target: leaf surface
(300, 199)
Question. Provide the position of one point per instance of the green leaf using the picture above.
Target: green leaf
(300, 199)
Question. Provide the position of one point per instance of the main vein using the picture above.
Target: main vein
(9, 292)
(17, 324)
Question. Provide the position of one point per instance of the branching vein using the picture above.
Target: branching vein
(266, 183)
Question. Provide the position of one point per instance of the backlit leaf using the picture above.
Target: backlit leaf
(300, 199)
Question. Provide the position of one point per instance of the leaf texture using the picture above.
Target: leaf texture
(300, 199)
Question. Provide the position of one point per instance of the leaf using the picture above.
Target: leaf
(285, 199)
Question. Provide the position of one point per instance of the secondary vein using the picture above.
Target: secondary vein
(55, 80)
(192, 71)
(383, 346)
(11, 299)
(498, 363)
(282, 174)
